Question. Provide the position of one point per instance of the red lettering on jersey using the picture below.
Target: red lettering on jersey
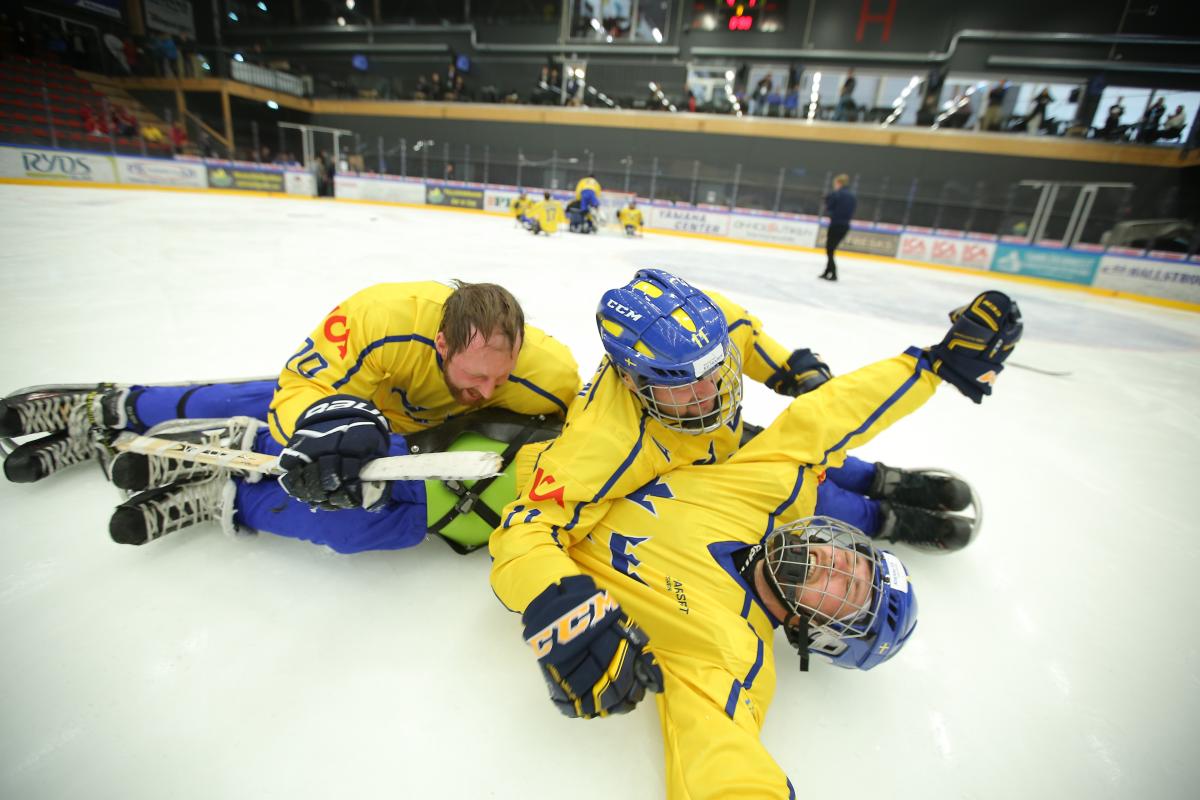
(820, 477)
(337, 337)
(555, 494)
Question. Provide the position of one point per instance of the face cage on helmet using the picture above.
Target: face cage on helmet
(789, 559)
(726, 376)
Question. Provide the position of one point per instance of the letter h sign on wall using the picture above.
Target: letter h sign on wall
(867, 17)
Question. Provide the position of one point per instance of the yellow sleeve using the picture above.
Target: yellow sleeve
(545, 379)
(845, 413)
(342, 356)
(761, 355)
(599, 457)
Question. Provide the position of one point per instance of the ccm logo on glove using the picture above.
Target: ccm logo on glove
(570, 625)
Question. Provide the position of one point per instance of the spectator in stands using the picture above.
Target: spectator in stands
(124, 122)
(574, 88)
(1112, 124)
(775, 102)
(422, 89)
(1148, 128)
(993, 115)
(436, 90)
(758, 98)
(691, 99)
(846, 108)
(1035, 120)
(541, 87)
(960, 113)
(93, 123)
(460, 88)
(168, 54)
(1173, 127)
(179, 137)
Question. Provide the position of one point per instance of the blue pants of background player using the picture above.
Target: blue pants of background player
(264, 506)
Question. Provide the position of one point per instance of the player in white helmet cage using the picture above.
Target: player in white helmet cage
(841, 597)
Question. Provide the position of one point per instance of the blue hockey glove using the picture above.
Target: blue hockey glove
(980, 339)
(803, 372)
(593, 657)
(334, 438)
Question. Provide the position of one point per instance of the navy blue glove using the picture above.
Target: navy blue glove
(593, 657)
(802, 372)
(334, 438)
(980, 339)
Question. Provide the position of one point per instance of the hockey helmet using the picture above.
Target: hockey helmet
(672, 342)
(855, 603)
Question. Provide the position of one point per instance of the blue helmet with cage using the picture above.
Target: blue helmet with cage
(671, 342)
(847, 600)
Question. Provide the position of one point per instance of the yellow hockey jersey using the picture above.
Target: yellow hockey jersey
(608, 449)
(547, 213)
(519, 205)
(630, 216)
(379, 345)
(666, 554)
(587, 183)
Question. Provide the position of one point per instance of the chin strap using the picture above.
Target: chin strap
(800, 636)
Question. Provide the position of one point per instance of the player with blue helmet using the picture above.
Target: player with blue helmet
(678, 587)
(835, 592)
(670, 343)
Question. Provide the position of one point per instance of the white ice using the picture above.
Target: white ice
(1052, 658)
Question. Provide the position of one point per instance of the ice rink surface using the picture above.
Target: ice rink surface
(1052, 657)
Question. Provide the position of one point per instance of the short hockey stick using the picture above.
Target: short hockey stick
(462, 465)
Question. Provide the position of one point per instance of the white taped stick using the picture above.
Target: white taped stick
(465, 465)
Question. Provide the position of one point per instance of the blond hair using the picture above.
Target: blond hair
(484, 308)
(843, 179)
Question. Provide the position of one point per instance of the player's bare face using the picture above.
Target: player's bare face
(838, 583)
(474, 373)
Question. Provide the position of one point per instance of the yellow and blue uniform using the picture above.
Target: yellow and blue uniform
(587, 192)
(519, 206)
(379, 345)
(666, 553)
(608, 449)
(630, 218)
(545, 216)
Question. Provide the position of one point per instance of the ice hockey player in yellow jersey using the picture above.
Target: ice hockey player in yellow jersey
(519, 207)
(630, 218)
(545, 215)
(621, 436)
(677, 589)
(398, 358)
(587, 192)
